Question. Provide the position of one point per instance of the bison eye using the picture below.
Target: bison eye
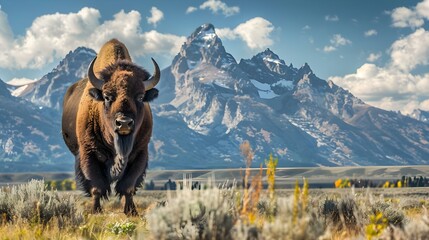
(108, 97)
(140, 98)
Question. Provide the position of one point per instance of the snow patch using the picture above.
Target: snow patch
(232, 119)
(86, 51)
(18, 82)
(209, 36)
(285, 83)
(22, 91)
(276, 61)
(264, 89)
(192, 64)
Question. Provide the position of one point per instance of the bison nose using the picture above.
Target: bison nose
(124, 125)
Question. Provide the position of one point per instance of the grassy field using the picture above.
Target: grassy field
(29, 211)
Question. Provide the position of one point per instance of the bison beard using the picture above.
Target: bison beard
(123, 147)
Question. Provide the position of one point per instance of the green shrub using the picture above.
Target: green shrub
(32, 203)
(393, 214)
(122, 228)
(205, 214)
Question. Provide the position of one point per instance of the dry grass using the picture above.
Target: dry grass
(228, 211)
(28, 212)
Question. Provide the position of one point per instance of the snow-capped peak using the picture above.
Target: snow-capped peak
(84, 50)
(203, 46)
(204, 36)
(204, 31)
(270, 56)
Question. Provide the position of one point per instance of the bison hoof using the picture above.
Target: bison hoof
(97, 209)
(130, 208)
(131, 212)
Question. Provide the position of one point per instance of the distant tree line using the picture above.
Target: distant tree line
(415, 181)
(405, 181)
(61, 185)
(172, 185)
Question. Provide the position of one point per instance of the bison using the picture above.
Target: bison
(107, 125)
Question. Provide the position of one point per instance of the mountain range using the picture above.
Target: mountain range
(209, 104)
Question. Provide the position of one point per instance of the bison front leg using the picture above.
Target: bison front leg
(130, 207)
(98, 183)
(96, 197)
(126, 186)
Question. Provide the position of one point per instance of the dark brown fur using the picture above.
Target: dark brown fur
(88, 129)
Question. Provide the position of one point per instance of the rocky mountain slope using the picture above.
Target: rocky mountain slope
(30, 139)
(49, 90)
(283, 110)
(209, 104)
(420, 115)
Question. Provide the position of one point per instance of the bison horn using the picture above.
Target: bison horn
(97, 83)
(151, 82)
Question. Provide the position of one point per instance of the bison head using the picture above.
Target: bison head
(123, 89)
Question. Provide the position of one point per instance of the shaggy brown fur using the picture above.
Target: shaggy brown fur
(102, 154)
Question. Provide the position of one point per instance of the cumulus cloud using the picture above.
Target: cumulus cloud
(329, 49)
(411, 51)
(218, 6)
(373, 57)
(333, 18)
(336, 41)
(422, 9)
(371, 32)
(413, 17)
(191, 9)
(394, 86)
(226, 33)
(6, 34)
(156, 16)
(156, 42)
(52, 36)
(254, 32)
(404, 17)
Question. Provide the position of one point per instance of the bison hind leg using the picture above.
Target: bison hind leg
(81, 181)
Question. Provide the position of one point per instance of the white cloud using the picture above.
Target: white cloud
(411, 51)
(394, 86)
(52, 36)
(333, 18)
(371, 32)
(6, 34)
(424, 105)
(413, 17)
(226, 33)
(373, 57)
(329, 49)
(156, 16)
(422, 9)
(336, 41)
(191, 9)
(218, 6)
(156, 42)
(404, 17)
(254, 32)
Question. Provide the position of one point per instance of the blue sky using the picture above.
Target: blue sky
(379, 50)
